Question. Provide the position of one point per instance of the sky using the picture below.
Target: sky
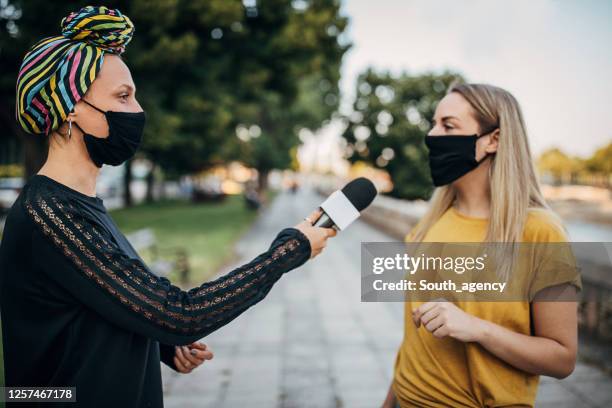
(554, 56)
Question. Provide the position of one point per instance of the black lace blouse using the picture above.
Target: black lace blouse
(80, 308)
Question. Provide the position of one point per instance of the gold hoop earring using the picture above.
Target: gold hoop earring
(69, 128)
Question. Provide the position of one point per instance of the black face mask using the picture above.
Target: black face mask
(124, 137)
(450, 157)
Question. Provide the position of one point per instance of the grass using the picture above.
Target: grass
(206, 231)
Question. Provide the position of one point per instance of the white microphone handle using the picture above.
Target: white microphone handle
(340, 210)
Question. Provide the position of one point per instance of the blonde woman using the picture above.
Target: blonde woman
(477, 354)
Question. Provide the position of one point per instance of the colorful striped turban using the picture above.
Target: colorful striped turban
(57, 71)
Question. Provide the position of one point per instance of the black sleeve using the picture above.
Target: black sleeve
(76, 251)
(166, 355)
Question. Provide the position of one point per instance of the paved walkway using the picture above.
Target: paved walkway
(313, 343)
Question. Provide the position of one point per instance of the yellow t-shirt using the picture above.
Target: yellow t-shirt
(432, 372)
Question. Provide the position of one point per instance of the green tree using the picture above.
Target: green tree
(391, 116)
(203, 68)
(601, 160)
(291, 69)
(22, 23)
(600, 164)
(561, 167)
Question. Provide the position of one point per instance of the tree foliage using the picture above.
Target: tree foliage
(391, 116)
(562, 168)
(203, 68)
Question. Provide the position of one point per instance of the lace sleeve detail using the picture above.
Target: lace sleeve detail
(92, 265)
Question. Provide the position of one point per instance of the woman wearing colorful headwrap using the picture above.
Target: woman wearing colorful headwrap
(79, 306)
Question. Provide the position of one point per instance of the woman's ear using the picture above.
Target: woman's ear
(493, 142)
(67, 128)
(74, 113)
(72, 116)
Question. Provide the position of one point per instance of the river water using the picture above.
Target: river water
(588, 232)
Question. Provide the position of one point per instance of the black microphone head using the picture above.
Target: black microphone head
(360, 192)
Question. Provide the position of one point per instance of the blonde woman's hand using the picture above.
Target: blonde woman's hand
(317, 236)
(445, 319)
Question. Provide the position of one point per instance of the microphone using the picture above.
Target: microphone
(343, 206)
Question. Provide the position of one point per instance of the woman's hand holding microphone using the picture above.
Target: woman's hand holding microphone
(316, 235)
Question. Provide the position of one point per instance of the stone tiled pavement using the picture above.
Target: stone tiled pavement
(313, 343)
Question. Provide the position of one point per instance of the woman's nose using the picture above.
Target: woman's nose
(138, 107)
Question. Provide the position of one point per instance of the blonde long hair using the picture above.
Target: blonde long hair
(514, 185)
